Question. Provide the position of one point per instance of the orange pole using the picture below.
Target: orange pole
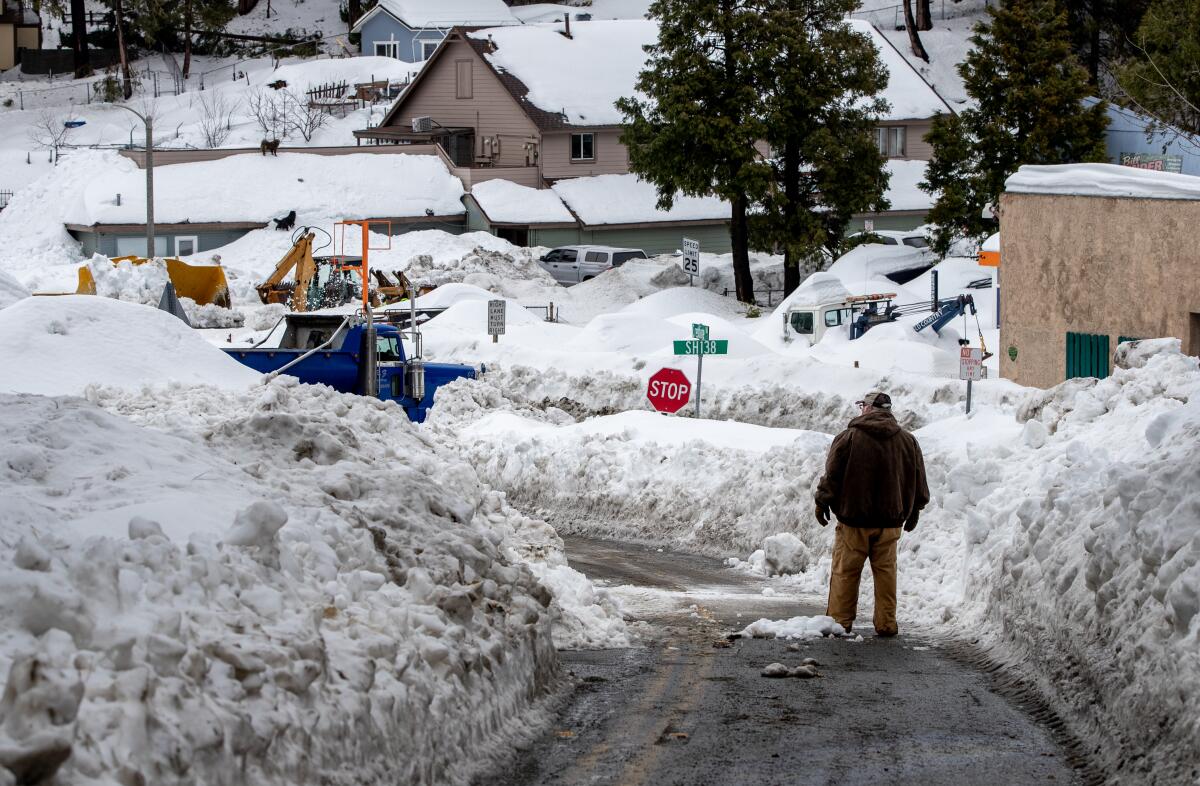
(365, 246)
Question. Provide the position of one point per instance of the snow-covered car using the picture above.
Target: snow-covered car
(573, 264)
(893, 237)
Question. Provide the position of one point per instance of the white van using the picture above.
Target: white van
(573, 264)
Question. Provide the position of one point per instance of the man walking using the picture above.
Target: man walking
(874, 483)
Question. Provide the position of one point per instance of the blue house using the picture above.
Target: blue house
(410, 30)
(1132, 139)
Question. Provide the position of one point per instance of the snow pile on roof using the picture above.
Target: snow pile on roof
(902, 190)
(449, 13)
(581, 77)
(507, 202)
(992, 243)
(11, 290)
(61, 345)
(910, 97)
(875, 260)
(597, 9)
(256, 188)
(170, 613)
(626, 199)
(816, 290)
(1102, 180)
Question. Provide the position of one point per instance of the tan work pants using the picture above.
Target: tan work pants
(852, 546)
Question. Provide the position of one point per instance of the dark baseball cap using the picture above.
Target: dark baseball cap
(877, 399)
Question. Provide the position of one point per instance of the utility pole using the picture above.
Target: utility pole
(147, 120)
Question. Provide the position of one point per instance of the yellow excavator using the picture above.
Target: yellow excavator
(202, 283)
(319, 282)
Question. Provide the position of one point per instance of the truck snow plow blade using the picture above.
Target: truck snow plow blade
(202, 283)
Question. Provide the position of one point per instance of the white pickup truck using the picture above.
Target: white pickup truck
(573, 264)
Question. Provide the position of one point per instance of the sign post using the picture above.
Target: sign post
(970, 368)
(700, 345)
(691, 259)
(668, 390)
(933, 290)
(496, 319)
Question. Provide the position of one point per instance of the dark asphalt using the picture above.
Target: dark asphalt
(684, 710)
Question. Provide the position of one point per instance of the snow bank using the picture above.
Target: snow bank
(11, 290)
(1102, 180)
(283, 614)
(507, 202)
(61, 345)
(627, 199)
(561, 73)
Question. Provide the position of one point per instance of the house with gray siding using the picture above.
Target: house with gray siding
(411, 30)
(1137, 140)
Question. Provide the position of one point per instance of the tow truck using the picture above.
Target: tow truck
(352, 354)
(860, 313)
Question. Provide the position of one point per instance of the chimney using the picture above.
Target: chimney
(567, 22)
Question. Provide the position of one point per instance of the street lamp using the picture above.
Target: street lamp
(148, 121)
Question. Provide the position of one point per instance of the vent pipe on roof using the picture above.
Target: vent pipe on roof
(567, 22)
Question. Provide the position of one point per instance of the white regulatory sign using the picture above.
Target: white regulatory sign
(495, 317)
(970, 363)
(691, 256)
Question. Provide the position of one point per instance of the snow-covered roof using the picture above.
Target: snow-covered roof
(625, 199)
(910, 96)
(255, 188)
(506, 202)
(580, 77)
(872, 260)
(902, 191)
(599, 9)
(444, 14)
(1102, 180)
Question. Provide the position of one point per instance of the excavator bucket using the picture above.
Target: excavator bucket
(204, 284)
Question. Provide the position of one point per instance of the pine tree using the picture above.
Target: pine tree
(1028, 90)
(695, 130)
(1161, 75)
(820, 78)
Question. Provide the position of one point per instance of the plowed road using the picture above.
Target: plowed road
(680, 711)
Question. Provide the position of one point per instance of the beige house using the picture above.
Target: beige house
(534, 103)
(20, 29)
(1092, 255)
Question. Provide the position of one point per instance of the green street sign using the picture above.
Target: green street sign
(702, 347)
(699, 331)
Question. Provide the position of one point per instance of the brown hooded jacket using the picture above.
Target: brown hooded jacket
(874, 474)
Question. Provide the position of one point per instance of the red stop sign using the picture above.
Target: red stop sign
(669, 390)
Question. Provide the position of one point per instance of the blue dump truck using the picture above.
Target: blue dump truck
(333, 350)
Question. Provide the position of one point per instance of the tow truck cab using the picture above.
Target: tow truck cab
(856, 314)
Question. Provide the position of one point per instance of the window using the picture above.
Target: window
(463, 79)
(387, 350)
(802, 322)
(621, 257)
(186, 245)
(837, 317)
(891, 140)
(583, 147)
(136, 246)
(553, 256)
(568, 255)
(428, 48)
(595, 256)
(387, 49)
(916, 242)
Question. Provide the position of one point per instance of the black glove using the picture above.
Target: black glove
(911, 524)
(822, 514)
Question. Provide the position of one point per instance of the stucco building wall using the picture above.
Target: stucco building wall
(1110, 266)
